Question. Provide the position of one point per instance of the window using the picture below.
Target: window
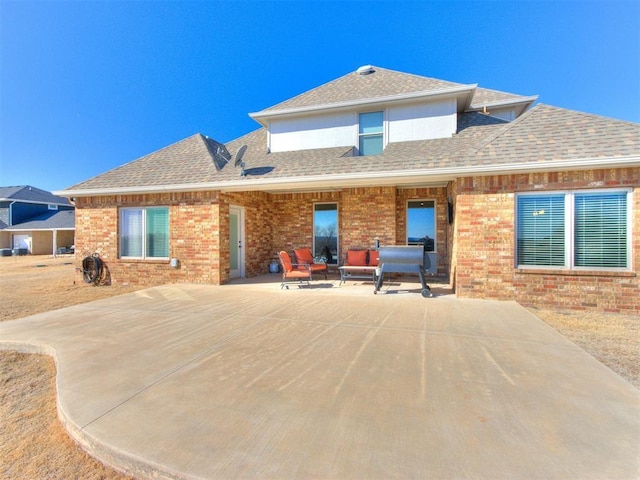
(325, 232)
(144, 232)
(421, 224)
(51, 206)
(370, 133)
(574, 230)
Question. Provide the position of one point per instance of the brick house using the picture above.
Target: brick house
(536, 204)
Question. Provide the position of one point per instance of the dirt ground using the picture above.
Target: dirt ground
(33, 442)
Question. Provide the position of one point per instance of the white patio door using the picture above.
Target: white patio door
(236, 242)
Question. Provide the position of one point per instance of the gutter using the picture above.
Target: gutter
(393, 177)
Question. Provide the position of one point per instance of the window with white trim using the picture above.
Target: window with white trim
(371, 133)
(574, 230)
(144, 232)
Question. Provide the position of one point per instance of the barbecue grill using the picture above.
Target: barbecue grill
(402, 259)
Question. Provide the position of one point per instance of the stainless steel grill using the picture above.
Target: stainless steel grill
(402, 259)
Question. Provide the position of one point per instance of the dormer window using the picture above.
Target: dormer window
(371, 133)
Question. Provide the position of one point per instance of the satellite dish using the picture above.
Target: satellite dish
(239, 162)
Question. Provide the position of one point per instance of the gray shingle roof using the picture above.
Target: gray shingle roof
(544, 134)
(61, 219)
(351, 87)
(384, 83)
(28, 193)
(485, 96)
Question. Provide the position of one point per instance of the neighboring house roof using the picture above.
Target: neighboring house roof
(544, 138)
(29, 194)
(52, 220)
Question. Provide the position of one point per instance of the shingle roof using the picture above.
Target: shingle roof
(353, 86)
(58, 220)
(486, 97)
(185, 162)
(27, 193)
(384, 83)
(544, 134)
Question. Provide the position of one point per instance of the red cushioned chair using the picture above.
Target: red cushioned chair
(293, 272)
(303, 255)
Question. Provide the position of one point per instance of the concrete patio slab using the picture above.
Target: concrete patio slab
(250, 381)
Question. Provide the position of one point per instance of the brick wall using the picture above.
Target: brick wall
(367, 214)
(259, 226)
(443, 242)
(484, 247)
(193, 237)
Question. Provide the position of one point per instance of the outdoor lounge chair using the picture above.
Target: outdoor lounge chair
(303, 255)
(293, 272)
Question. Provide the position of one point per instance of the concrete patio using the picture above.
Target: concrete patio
(251, 381)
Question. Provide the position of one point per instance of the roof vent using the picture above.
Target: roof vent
(365, 70)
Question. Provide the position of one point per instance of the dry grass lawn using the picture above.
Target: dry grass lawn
(33, 443)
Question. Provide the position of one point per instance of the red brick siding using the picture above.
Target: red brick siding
(367, 214)
(442, 224)
(484, 225)
(193, 237)
(259, 226)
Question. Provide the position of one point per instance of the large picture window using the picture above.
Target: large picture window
(325, 232)
(371, 133)
(421, 224)
(144, 232)
(573, 230)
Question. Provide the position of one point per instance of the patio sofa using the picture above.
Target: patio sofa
(360, 264)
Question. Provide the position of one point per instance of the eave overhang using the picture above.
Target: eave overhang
(463, 95)
(398, 178)
(521, 104)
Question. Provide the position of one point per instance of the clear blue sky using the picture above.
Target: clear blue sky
(88, 86)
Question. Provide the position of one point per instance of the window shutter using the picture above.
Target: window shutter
(541, 230)
(601, 230)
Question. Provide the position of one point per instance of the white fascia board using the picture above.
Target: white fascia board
(397, 177)
(262, 116)
(512, 102)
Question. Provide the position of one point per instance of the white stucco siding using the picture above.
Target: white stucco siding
(324, 131)
(422, 122)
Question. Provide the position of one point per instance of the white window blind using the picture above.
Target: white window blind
(144, 232)
(573, 230)
(541, 230)
(601, 230)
